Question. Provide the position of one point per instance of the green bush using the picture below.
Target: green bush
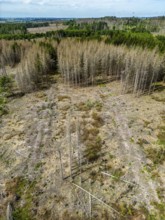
(93, 149)
(5, 84)
(3, 108)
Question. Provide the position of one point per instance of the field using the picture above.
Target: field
(51, 27)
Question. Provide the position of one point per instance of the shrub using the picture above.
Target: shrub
(3, 107)
(93, 149)
(5, 84)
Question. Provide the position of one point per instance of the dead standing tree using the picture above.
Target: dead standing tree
(69, 139)
(61, 162)
(79, 146)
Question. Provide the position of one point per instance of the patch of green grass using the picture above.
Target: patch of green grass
(126, 210)
(98, 121)
(157, 154)
(5, 90)
(5, 84)
(160, 95)
(158, 213)
(93, 148)
(38, 165)
(117, 173)
(154, 172)
(91, 132)
(24, 189)
(159, 99)
(63, 97)
(129, 212)
(87, 106)
(102, 85)
(142, 141)
(132, 140)
(22, 213)
(160, 192)
(161, 136)
(3, 107)
(93, 175)
(146, 123)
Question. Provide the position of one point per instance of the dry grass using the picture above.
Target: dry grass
(89, 105)
(62, 98)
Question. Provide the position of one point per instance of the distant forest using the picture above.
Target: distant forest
(126, 31)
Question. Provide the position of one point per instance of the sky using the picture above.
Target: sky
(81, 8)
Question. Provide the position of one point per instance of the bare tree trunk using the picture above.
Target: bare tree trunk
(90, 206)
(78, 144)
(90, 202)
(9, 212)
(61, 165)
(112, 209)
(70, 144)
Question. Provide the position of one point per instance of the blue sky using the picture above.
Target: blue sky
(81, 8)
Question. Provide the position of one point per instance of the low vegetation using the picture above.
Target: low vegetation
(5, 91)
(20, 28)
(23, 190)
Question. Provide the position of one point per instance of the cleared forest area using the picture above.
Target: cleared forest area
(82, 127)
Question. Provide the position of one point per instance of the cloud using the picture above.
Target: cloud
(81, 8)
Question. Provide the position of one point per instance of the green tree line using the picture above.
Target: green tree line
(19, 28)
(116, 37)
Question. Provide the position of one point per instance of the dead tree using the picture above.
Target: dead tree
(69, 143)
(90, 202)
(9, 212)
(93, 196)
(78, 145)
(61, 165)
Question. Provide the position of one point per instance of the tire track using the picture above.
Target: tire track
(131, 152)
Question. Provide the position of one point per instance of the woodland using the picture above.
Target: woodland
(82, 120)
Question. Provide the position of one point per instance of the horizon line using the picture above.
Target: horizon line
(111, 16)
